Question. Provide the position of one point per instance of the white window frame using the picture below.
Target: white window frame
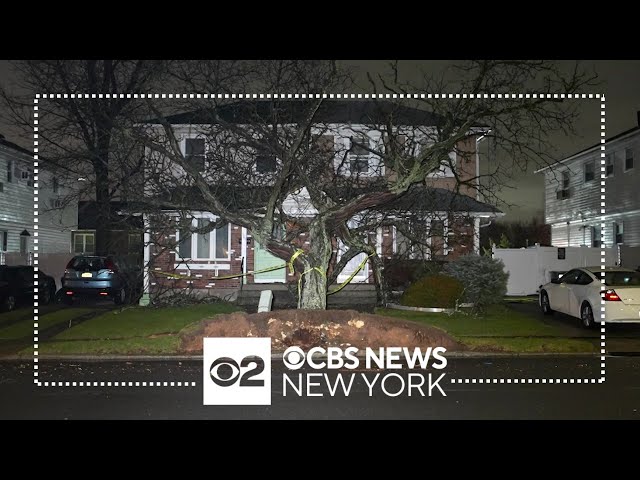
(212, 241)
(626, 156)
(10, 171)
(584, 177)
(610, 158)
(183, 147)
(376, 167)
(445, 234)
(84, 242)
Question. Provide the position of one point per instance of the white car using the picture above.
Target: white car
(580, 293)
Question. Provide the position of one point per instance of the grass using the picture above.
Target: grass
(24, 328)
(498, 320)
(500, 328)
(9, 317)
(530, 345)
(129, 346)
(143, 321)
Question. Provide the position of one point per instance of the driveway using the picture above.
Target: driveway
(619, 338)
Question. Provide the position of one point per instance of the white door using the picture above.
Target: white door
(360, 277)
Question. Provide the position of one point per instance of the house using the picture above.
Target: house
(56, 218)
(348, 133)
(573, 197)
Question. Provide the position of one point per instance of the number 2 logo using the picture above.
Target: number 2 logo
(225, 371)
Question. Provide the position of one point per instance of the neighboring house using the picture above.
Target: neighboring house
(125, 238)
(454, 217)
(56, 219)
(573, 197)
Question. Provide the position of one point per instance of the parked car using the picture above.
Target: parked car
(102, 276)
(17, 286)
(580, 293)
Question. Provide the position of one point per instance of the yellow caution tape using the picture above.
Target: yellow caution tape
(289, 264)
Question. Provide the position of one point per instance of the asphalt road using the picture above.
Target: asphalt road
(617, 398)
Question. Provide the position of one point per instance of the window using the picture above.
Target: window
(589, 171)
(9, 171)
(195, 153)
(212, 245)
(359, 155)
(23, 244)
(1, 187)
(584, 279)
(570, 277)
(83, 243)
(56, 185)
(4, 240)
(265, 163)
(28, 176)
(619, 231)
(610, 161)
(55, 203)
(184, 245)
(628, 159)
(564, 192)
(595, 236)
(134, 244)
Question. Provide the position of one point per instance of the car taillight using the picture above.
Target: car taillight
(110, 265)
(610, 295)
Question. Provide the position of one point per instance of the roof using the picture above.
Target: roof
(14, 146)
(293, 111)
(88, 210)
(418, 198)
(592, 147)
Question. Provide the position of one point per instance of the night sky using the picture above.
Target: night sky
(620, 82)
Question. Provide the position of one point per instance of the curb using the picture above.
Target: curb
(276, 356)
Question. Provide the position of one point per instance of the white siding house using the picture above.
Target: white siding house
(572, 195)
(55, 220)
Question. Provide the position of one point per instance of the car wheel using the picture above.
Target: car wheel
(9, 303)
(586, 315)
(120, 297)
(545, 305)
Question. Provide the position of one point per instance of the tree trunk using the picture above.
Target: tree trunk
(103, 200)
(313, 294)
(382, 289)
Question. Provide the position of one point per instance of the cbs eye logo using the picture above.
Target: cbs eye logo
(236, 371)
(225, 371)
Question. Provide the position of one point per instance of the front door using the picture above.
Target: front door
(263, 259)
(352, 265)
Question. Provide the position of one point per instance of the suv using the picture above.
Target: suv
(17, 286)
(110, 276)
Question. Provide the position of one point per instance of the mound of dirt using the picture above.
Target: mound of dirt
(325, 328)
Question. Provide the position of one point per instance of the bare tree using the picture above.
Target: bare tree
(82, 139)
(288, 139)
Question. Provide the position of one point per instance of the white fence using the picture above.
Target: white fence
(529, 268)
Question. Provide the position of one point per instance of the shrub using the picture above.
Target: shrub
(484, 279)
(400, 272)
(433, 291)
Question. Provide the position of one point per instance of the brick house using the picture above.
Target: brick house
(178, 256)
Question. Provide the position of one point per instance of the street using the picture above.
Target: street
(617, 398)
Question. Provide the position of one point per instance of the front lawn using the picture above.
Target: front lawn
(24, 328)
(132, 331)
(500, 328)
(143, 321)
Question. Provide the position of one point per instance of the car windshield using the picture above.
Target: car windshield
(86, 263)
(622, 279)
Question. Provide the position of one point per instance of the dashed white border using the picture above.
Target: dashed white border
(354, 96)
